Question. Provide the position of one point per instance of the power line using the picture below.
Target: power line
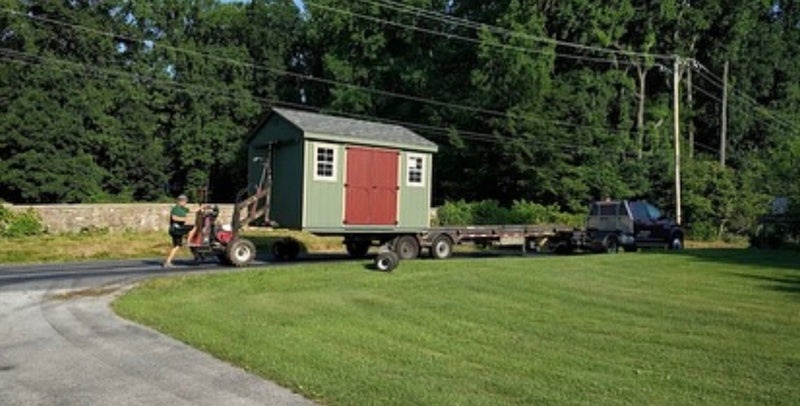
(466, 39)
(83, 69)
(706, 147)
(717, 81)
(307, 77)
(463, 22)
(707, 93)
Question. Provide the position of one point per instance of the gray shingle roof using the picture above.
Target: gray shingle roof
(357, 129)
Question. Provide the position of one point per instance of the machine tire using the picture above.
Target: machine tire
(241, 252)
(286, 249)
(387, 261)
(442, 247)
(611, 245)
(293, 249)
(279, 250)
(223, 259)
(407, 247)
(357, 249)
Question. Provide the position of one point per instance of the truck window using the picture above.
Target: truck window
(639, 211)
(653, 212)
(608, 209)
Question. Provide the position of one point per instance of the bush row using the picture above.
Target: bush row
(488, 212)
(19, 224)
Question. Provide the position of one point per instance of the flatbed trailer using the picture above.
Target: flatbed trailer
(440, 241)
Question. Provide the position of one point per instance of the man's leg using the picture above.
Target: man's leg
(176, 245)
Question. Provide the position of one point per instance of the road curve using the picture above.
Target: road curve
(60, 350)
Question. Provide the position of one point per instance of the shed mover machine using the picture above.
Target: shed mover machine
(370, 183)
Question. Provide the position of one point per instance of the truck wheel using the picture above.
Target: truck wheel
(676, 243)
(611, 245)
(241, 252)
(357, 249)
(407, 247)
(442, 247)
(387, 261)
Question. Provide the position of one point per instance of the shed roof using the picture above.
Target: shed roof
(323, 126)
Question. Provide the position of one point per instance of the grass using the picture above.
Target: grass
(129, 245)
(699, 327)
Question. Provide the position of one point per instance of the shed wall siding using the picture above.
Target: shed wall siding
(324, 203)
(414, 206)
(287, 176)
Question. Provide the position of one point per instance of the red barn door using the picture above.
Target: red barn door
(371, 187)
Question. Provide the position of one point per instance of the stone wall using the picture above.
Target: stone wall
(71, 218)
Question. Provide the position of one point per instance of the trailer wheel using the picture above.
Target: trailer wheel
(241, 252)
(442, 247)
(387, 261)
(407, 247)
(611, 245)
(357, 249)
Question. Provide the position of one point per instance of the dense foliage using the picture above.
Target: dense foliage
(19, 224)
(120, 100)
(491, 212)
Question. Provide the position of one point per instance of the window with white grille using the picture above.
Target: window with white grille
(415, 170)
(324, 162)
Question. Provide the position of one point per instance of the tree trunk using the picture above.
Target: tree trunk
(641, 94)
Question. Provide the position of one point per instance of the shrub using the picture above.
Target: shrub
(488, 212)
(20, 224)
(457, 213)
(703, 231)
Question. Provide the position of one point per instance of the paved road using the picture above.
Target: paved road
(57, 351)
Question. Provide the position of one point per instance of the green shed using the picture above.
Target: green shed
(340, 176)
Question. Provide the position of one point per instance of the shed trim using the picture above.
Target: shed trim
(368, 142)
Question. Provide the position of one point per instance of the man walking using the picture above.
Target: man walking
(178, 217)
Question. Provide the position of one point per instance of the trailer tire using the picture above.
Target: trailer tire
(442, 247)
(387, 261)
(241, 252)
(357, 249)
(407, 247)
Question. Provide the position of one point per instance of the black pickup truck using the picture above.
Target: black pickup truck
(629, 225)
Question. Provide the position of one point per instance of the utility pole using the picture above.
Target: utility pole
(676, 105)
(723, 141)
(690, 100)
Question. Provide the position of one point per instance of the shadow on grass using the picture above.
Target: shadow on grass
(779, 270)
(783, 259)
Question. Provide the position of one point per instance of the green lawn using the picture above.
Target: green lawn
(699, 327)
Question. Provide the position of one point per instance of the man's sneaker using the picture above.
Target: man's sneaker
(167, 265)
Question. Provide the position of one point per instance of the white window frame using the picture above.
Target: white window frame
(422, 171)
(315, 151)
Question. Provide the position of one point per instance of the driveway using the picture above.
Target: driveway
(60, 344)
